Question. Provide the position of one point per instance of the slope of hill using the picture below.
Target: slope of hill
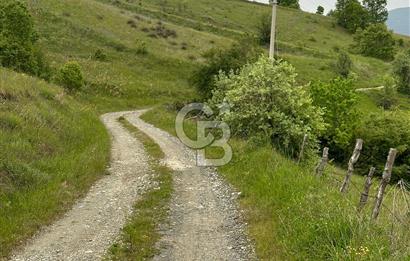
(152, 46)
(52, 149)
(399, 20)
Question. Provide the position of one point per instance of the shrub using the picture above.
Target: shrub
(70, 76)
(343, 64)
(264, 29)
(387, 97)
(99, 55)
(266, 102)
(338, 100)
(224, 60)
(401, 71)
(382, 131)
(18, 39)
(375, 41)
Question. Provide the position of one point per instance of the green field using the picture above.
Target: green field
(53, 146)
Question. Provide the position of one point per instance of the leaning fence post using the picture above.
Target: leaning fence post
(385, 180)
(352, 161)
(322, 164)
(365, 195)
(302, 148)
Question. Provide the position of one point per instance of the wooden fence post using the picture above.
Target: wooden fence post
(383, 184)
(302, 148)
(352, 161)
(365, 195)
(322, 164)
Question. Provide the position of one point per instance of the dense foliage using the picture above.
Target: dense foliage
(70, 76)
(401, 71)
(351, 15)
(18, 49)
(377, 11)
(224, 60)
(320, 10)
(375, 41)
(338, 100)
(382, 131)
(266, 102)
(289, 3)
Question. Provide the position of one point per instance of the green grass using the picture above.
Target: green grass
(49, 154)
(308, 41)
(293, 215)
(53, 144)
(140, 235)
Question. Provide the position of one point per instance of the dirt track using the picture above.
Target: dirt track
(204, 221)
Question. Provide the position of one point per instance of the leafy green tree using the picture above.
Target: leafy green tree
(70, 76)
(265, 101)
(375, 41)
(351, 15)
(18, 39)
(320, 10)
(382, 131)
(338, 100)
(343, 64)
(225, 60)
(377, 10)
(289, 3)
(401, 71)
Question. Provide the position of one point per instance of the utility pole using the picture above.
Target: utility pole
(273, 30)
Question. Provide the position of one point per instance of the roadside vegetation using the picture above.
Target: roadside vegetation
(97, 56)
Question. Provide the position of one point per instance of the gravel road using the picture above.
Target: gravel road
(93, 224)
(204, 220)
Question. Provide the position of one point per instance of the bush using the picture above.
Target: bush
(375, 41)
(338, 100)
(265, 102)
(70, 76)
(387, 97)
(380, 132)
(264, 29)
(401, 71)
(99, 55)
(18, 39)
(227, 60)
(343, 64)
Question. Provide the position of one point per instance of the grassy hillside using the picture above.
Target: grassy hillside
(55, 146)
(308, 41)
(49, 155)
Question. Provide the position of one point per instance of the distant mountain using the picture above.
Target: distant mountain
(399, 20)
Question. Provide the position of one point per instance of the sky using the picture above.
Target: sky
(311, 5)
